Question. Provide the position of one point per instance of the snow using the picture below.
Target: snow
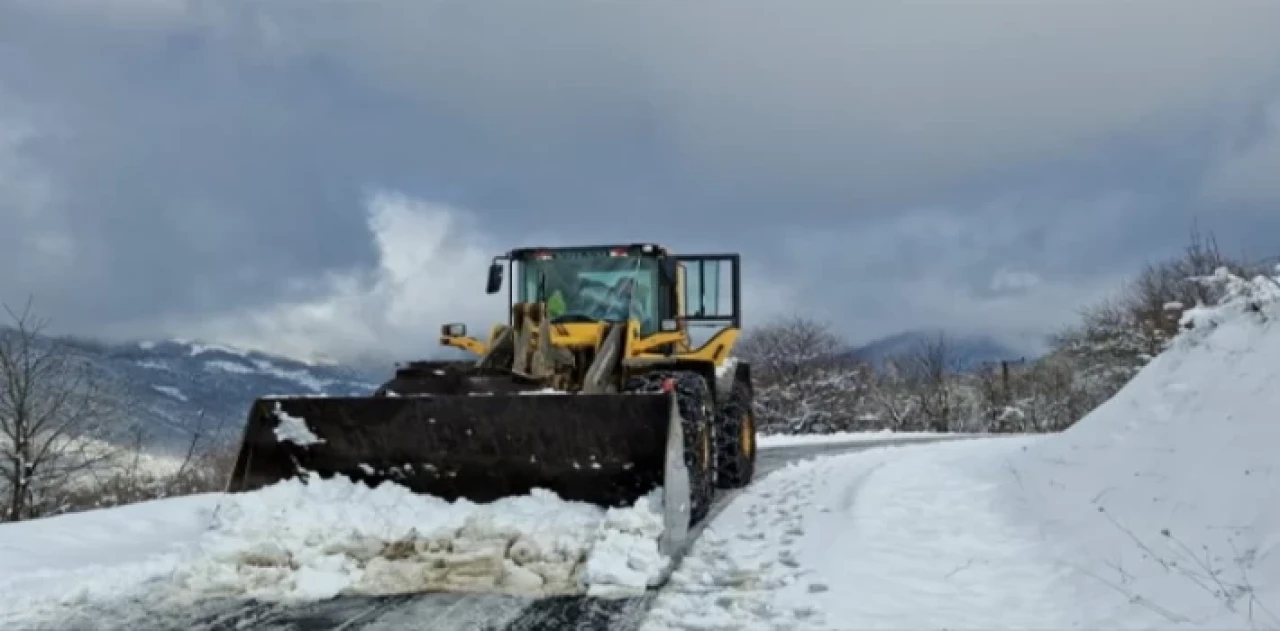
(1161, 509)
(171, 391)
(298, 541)
(100, 555)
(227, 366)
(835, 438)
(294, 429)
(300, 377)
(306, 540)
(200, 348)
(726, 367)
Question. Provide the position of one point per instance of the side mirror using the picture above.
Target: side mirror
(495, 279)
(455, 329)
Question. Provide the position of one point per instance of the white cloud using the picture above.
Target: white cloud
(431, 265)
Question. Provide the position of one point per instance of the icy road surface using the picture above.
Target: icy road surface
(446, 612)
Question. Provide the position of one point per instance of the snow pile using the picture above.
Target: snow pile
(307, 540)
(1161, 509)
(313, 540)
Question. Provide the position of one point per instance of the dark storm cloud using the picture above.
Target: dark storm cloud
(187, 167)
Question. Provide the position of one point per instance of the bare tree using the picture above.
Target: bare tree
(54, 417)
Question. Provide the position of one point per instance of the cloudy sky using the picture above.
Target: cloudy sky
(332, 175)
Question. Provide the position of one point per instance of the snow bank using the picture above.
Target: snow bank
(1161, 509)
(315, 539)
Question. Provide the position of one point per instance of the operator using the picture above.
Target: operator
(555, 304)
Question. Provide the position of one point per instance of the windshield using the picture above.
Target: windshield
(590, 285)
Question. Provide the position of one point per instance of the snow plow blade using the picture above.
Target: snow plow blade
(605, 449)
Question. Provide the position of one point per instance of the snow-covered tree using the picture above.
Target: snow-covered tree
(805, 378)
(1118, 337)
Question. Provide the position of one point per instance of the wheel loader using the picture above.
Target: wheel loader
(595, 388)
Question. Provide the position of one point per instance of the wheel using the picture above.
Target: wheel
(735, 434)
(693, 399)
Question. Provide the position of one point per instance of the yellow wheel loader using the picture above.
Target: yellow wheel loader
(595, 388)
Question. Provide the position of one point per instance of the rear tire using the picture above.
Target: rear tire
(693, 398)
(736, 438)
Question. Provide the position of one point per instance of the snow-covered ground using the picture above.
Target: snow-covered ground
(1161, 509)
(839, 438)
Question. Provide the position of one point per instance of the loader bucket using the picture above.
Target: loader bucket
(606, 449)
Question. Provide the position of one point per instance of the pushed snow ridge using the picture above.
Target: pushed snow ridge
(315, 539)
(305, 540)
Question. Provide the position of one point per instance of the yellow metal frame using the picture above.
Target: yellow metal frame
(590, 335)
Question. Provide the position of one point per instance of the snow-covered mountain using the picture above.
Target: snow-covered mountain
(171, 382)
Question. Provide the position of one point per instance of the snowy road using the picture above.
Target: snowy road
(443, 612)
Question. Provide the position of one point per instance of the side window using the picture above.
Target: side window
(692, 288)
(709, 286)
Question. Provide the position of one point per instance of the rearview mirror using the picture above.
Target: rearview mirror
(495, 278)
(453, 330)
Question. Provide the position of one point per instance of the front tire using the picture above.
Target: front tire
(736, 438)
(693, 399)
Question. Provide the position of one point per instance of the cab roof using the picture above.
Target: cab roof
(628, 249)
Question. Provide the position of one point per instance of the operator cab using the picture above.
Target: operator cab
(615, 283)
